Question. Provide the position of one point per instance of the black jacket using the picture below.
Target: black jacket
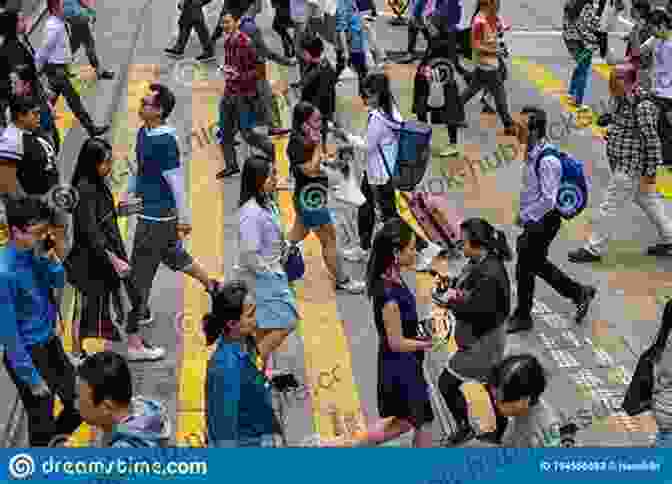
(15, 57)
(488, 300)
(95, 231)
(37, 171)
(319, 88)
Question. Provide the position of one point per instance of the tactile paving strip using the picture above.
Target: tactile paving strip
(547, 341)
(587, 378)
(540, 308)
(564, 359)
(610, 398)
(555, 321)
(571, 338)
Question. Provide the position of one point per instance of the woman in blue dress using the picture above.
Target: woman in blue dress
(403, 393)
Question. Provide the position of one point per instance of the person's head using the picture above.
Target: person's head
(377, 92)
(157, 105)
(488, 6)
(393, 247)
(312, 47)
(641, 9)
(518, 383)
(536, 124)
(661, 21)
(105, 389)
(233, 313)
(9, 21)
(27, 221)
(622, 80)
(307, 122)
(55, 7)
(26, 112)
(258, 180)
(94, 162)
(479, 238)
(231, 20)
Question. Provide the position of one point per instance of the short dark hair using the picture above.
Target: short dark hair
(165, 98)
(108, 375)
(235, 11)
(518, 377)
(25, 211)
(22, 105)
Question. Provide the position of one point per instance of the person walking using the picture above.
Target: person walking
(79, 18)
(54, 59)
(480, 300)
(191, 17)
(98, 264)
(634, 151)
(541, 222)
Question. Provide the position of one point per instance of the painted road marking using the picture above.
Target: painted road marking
(586, 378)
(548, 342)
(571, 338)
(555, 321)
(564, 359)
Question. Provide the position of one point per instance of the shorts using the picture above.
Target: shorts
(276, 304)
(312, 218)
(345, 12)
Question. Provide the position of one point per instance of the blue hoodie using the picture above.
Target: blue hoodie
(27, 314)
(147, 425)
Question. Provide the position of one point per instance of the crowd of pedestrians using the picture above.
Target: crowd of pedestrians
(255, 312)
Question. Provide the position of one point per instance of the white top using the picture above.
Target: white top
(56, 47)
(382, 137)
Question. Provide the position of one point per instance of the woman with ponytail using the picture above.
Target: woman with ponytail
(480, 300)
(239, 408)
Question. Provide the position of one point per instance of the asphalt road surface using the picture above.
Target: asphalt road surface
(334, 349)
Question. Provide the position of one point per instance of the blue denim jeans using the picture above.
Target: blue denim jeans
(581, 76)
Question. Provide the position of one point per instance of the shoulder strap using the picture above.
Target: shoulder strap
(139, 151)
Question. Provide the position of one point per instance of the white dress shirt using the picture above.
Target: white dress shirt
(56, 47)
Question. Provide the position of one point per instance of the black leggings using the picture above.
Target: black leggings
(449, 386)
(58, 373)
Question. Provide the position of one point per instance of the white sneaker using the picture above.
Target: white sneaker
(146, 353)
(351, 286)
(356, 254)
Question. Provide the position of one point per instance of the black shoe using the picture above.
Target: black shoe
(581, 256)
(660, 250)
(464, 434)
(583, 304)
(227, 172)
(285, 382)
(105, 75)
(95, 131)
(518, 324)
(206, 57)
(490, 438)
(177, 54)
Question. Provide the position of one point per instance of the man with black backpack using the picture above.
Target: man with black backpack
(541, 217)
(634, 151)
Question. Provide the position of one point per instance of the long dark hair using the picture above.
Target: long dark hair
(379, 83)
(302, 112)
(255, 172)
(9, 21)
(480, 233)
(94, 151)
(227, 305)
(392, 238)
(518, 377)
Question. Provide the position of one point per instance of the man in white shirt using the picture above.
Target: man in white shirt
(54, 58)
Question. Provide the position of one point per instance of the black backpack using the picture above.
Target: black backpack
(573, 8)
(37, 171)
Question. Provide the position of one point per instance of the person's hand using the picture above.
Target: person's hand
(120, 265)
(647, 184)
(426, 345)
(183, 230)
(40, 390)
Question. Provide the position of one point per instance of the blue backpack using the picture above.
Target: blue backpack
(574, 183)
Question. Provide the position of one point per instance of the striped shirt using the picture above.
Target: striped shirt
(633, 144)
(662, 392)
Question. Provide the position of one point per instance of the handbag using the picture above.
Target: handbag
(293, 262)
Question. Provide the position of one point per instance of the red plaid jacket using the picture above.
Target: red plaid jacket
(239, 53)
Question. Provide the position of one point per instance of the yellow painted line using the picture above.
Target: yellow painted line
(207, 245)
